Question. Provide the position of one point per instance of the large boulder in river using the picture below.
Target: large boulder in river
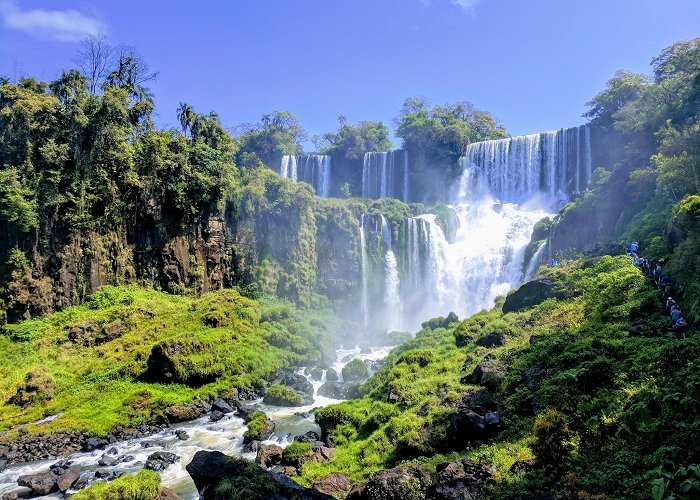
(269, 455)
(40, 484)
(330, 389)
(209, 468)
(407, 482)
(183, 413)
(529, 294)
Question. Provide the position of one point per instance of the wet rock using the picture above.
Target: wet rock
(406, 482)
(297, 383)
(216, 415)
(183, 413)
(331, 375)
(160, 460)
(351, 391)
(182, 435)
(3, 464)
(167, 494)
(95, 443)
(40, 484)
(13, 495)
(112, 451)
(107, 461)
(269, 455)
(246, 412)
(65, 481)
(316, 374)
(252, 447)
(105, 474)
(222, 406)
(308, 437)
(285, 470)
(330, 389)
(335, 484)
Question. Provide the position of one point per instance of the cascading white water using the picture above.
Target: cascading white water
(535, 261)
(385, 175)
(518, 168)
(312, 169)
(364, 285)
(392, 297)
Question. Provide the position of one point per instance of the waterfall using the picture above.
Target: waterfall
(535, 262)
(392, 298)
(364, 298)
(312, 169)
(518, 168)
(385, 175)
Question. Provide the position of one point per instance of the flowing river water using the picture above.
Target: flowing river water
(226, 436)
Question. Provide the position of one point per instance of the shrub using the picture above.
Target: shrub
(259, 427)
(143, 486)
(296, 451)
(38, 387)
(551, 446)
(280, 395)
(355, 370)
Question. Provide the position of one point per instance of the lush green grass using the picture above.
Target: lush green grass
(220, 342)
(624, 410)
(142, 486)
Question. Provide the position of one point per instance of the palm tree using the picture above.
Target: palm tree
(187, 116)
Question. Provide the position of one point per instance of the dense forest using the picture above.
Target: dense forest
(151, 277)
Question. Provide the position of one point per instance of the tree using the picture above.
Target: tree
(95, 60)
(353, 141)
(186, 115)
(624, 88)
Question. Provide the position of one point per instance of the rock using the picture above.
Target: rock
(112, 331)
(182, 435)
(463, 480)
(492, 340)
(160, 460)
(529, 294)
(112, 451)
(355, 371)
(532, 375)
(285, 470)
(12, 495)
(335, 484)
(330, 389)
(104, 474)
(65, 481)
(269, 455)
(316, 374)
(167, 494)
(351, 391)
(493, 421)
(534, 339)
(94, 443)
(298, 383)
(246, 412)
(308, 437)
(406, 482)
(3, 464)
(252, 447)
(222, 406)
(489, 373)
(182, 413)
(216, 415)
(208, 468)
(107, 461)
(331, 375)
(40, 484)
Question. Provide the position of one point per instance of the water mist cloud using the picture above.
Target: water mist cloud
(63, 25)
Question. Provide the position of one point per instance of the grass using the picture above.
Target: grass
(216, 343)
(142, 486)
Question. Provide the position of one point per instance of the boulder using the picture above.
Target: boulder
(160, 460)
(316, 374)
(167, 494)
(406, 482)
(182, 435)
(335, 484)
(308, 437)
(331, 375)
(492, 340)
(489, 373)
(182, 413)
(65, 481)
(222, 406)
(528, 295)
(107, 461)
(462, 480)
(40, 484)
(216, 415)
(94, 443)
(296, 382)
(269, 455)
(355, 371)
(246, 412)
(330, 389)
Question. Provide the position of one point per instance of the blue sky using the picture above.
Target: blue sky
(532, 63)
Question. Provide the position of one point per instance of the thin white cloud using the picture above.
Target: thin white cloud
(64, 25)
(466, 5)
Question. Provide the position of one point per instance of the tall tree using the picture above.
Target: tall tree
(95, 59)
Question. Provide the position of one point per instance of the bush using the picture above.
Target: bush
(259, 427)
(143, 486)
(355, 370)
(280, 395)
(551, 446)
(296, 451)
(38, 387)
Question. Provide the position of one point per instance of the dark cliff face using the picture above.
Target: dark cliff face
(292, 248)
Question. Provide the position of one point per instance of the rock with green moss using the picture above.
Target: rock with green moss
(355, 371)
(260, 428)
(38, 387)
(280, 395)
(330, 389)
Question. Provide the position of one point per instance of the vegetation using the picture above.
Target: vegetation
(256, 427)
(282, 396)
(142, 486)
(109, 361)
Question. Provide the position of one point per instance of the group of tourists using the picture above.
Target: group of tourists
(667, 289)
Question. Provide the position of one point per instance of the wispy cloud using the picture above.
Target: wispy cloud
(65, 25)
(465, 5)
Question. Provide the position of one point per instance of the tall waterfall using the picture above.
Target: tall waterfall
(392, 297)
(364, 297)
(557, 164)
(385, 175)
(312, 169)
